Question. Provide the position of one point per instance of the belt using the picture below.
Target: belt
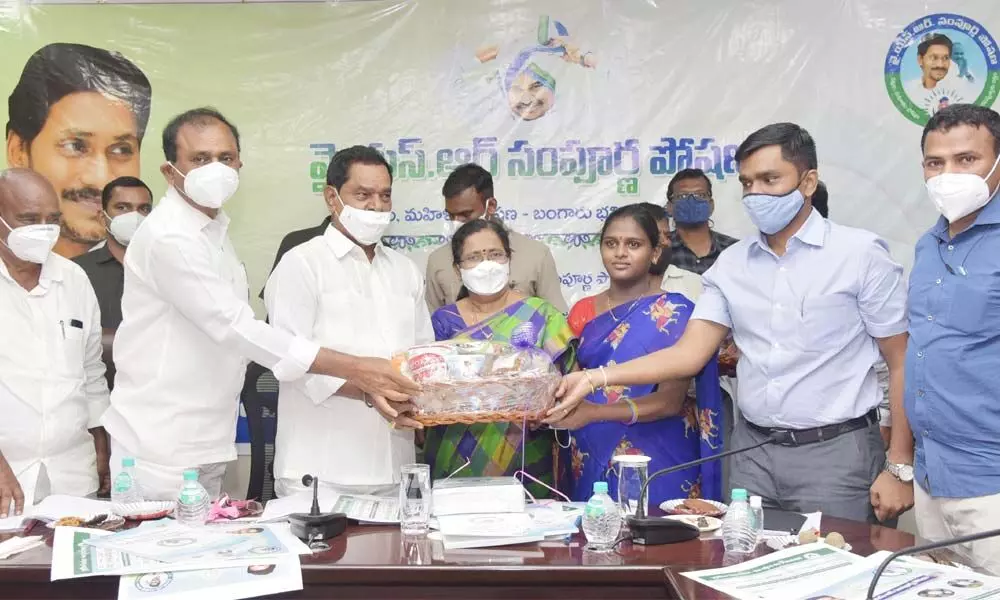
(801, 437)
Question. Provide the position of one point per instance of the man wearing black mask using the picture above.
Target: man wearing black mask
(689, 202)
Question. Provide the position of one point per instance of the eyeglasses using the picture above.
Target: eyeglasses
(497, 256)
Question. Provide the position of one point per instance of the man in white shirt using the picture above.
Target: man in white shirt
(52, 386)
(188, 330)
(940, 83)
(349, 292)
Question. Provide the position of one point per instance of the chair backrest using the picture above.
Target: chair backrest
(260, 402)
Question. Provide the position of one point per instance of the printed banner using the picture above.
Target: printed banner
(575, 107)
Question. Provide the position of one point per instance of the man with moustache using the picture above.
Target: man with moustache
(77, 117)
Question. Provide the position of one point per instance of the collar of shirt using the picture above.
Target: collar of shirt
(990, 215)
(342, 245)
(812, 233)
(51, 272)
(185, 214)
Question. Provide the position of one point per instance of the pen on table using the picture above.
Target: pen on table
(62, 325)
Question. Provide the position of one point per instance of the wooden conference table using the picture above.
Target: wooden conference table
(376, 562)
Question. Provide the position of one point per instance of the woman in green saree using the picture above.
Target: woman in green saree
(488, 308)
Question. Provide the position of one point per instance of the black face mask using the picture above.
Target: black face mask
(660, 266)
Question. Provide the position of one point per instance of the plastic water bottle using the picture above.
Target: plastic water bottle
(602, 520)
(738, 533)
(125, 487)
(757, 508)
(192, 502)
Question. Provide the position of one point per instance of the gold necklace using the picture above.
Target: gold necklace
(477, 311)
(611, 310)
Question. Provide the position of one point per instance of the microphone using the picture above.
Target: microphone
(965, 539)
(316, 526)
(655, 531)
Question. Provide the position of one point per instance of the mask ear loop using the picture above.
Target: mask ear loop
(521, 473)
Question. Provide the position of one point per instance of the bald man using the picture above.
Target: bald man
(52, 386)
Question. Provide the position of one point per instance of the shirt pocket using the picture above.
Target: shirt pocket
(71, 342)
(972, 307)
(828, 321)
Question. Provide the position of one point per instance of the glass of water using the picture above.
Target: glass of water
(415, 499)
(632, 471)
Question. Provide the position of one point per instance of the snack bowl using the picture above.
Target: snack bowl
(144, 511)
(703, 523)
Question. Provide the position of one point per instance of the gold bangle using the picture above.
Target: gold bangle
(605, 374)
(586, 374)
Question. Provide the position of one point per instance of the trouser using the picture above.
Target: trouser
(943, 518)
(163, 482)
(833, 476)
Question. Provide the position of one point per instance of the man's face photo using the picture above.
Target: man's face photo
(77, 116)
(935, 63)
(88, 140)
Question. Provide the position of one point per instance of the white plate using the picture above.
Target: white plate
(139, 511)
(669, 506)
(711, 522)
(784, 541)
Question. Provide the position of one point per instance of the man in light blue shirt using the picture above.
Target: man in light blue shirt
(810, 304)
(953, 362)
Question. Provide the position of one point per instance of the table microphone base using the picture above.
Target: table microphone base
(653, 531)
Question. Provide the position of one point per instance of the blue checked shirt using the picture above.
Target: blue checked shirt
(952, 393)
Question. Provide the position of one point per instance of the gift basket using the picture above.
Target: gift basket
(479, 382)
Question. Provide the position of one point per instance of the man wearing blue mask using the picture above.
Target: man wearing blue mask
(810, 304)
(689, 202)
(951, 363)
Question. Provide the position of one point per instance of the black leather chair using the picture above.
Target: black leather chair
(260, 402)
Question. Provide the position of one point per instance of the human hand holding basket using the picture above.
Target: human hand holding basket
(479, 382)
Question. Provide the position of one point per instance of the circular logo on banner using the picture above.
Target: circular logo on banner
(938, 60)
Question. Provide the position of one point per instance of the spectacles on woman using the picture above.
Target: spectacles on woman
(472, 260)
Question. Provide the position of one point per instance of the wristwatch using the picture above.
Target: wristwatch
(903, 473)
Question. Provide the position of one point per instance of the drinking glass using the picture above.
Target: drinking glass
(415, 499)
(632, 471)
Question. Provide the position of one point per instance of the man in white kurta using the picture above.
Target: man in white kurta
(359, 299)
(52, 386)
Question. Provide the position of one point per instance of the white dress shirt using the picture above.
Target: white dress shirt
(186, 334)
(52, 386)
(806, 322)
(327, 290)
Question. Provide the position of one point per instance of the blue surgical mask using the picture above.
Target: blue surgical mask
(770, 213)
(691, 209)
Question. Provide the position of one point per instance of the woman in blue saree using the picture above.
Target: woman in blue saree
(664, 422)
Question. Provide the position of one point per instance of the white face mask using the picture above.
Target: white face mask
(32, 243)
(210, 185)
(958, 195)
(365, 226)
(486, 278)
(124, 226)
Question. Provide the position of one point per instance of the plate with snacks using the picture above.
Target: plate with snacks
(144, 511)
(807, 537)
(704, 524)
(107, 522)
(694, 506)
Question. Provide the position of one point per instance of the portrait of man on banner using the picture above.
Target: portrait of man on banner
(77, 116)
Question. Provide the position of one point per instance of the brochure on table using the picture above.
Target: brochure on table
(367, 509)
(218, 584)
(74, 555)
(821, 572)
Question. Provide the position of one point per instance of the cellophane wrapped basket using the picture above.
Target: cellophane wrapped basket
(479, 382)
